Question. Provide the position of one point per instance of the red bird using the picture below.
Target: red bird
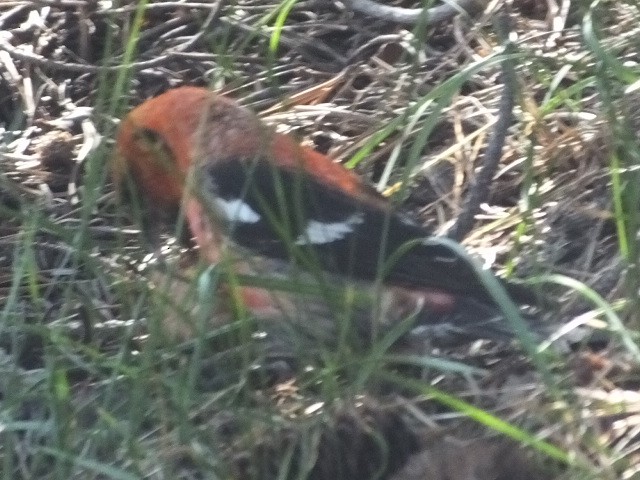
(240, 184)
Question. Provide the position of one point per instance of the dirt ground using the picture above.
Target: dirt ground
(336, 79)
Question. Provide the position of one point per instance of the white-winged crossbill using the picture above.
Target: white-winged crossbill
(242, 187)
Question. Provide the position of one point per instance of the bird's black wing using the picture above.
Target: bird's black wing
(292, 215)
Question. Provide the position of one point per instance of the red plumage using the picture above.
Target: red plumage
(241, 184)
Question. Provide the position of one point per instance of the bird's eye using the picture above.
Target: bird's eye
(153, 142)
(150, 138)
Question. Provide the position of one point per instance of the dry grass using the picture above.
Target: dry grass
(92, 387)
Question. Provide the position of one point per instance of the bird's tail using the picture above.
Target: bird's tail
(443, 319)
(470, 320)
(437, 262)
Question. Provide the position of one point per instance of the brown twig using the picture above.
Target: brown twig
(43, 62)
(479, 189)
(312, 50)
(413, 16)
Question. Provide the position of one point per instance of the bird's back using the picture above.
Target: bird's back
(289, 214)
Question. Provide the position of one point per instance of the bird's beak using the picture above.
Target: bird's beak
(155, 220)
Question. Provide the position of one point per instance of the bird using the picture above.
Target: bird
(239, 186)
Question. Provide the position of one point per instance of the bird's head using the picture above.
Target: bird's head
(160, 141)
(154, 145)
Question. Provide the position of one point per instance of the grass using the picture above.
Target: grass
(108, 369)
